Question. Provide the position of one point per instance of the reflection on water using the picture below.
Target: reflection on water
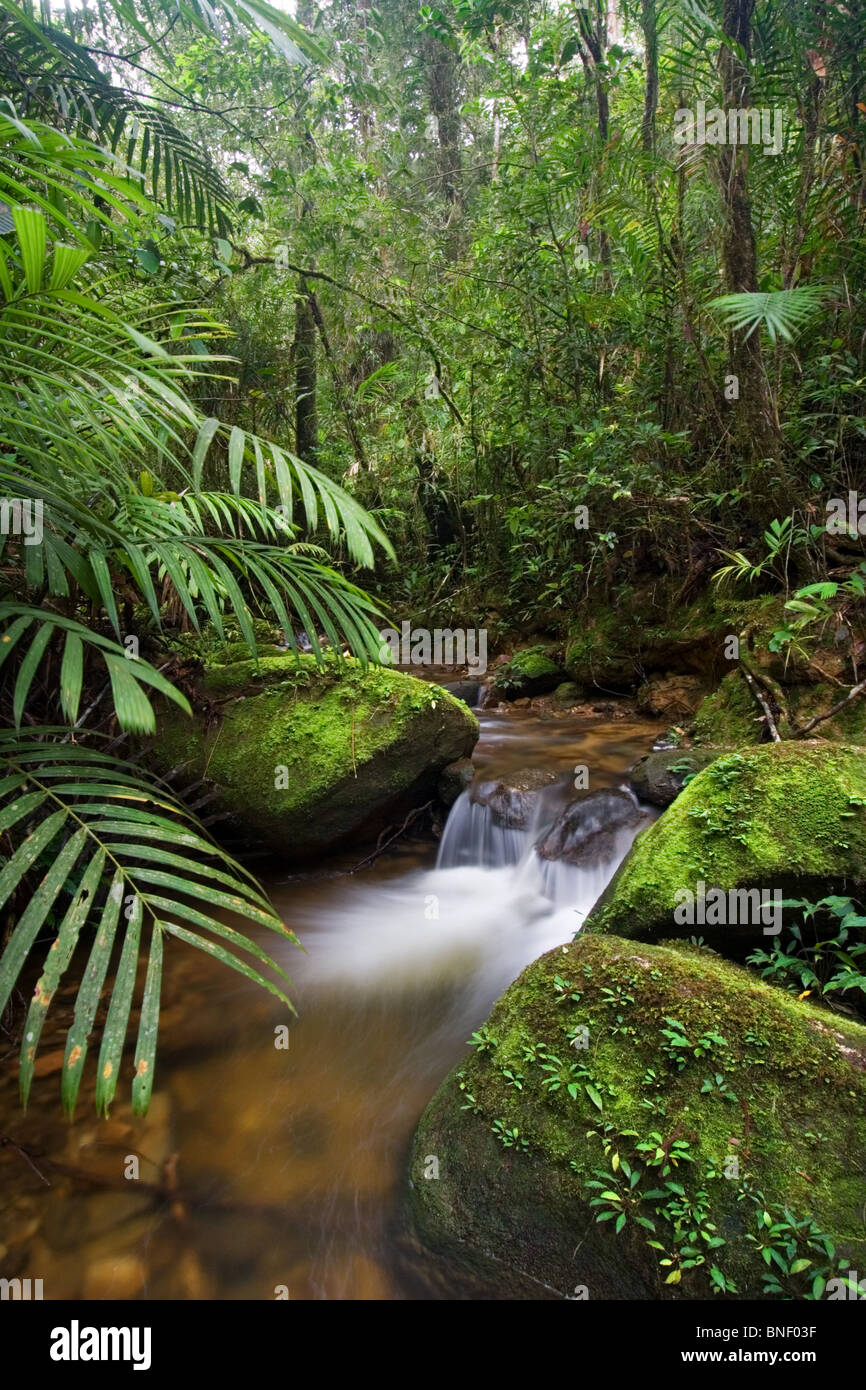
(276, 1167)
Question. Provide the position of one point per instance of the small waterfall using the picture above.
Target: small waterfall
(491, 905)
(597, 831)
(473, 838)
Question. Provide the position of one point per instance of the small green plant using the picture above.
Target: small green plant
(615, 997)
(716, 1085)
(691, 1234)
(483, 1040)
(720, 1282)
(471, 1102)
(573, 1077)
(678, 1047)
(799, 1257)
(511, 1138)
(514, 1078)
(564, 991)
(618, 1197)
(665, 1154)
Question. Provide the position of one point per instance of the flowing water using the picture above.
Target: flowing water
(285, 1165)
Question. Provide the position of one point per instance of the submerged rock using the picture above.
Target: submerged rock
(699, 1099)
(304, 759)
(586, 831)
(786, 817)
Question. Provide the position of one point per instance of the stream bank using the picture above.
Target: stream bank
(265, 1166)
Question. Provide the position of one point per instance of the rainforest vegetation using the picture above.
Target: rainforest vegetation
(541, 318)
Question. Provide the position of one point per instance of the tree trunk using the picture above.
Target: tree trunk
(306, 413)
(754, 432)
(443, 63)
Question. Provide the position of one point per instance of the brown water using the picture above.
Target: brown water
(282, 1169)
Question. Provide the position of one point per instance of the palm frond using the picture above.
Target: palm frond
(92, 837)
(782, 312)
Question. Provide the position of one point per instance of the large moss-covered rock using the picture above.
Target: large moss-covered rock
(306, 759)
(786, 816)
(768, 1090)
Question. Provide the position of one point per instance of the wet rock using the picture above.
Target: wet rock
(512, 800)
(659, 777)
(586, 830)
(568, 693)
(454, 779)
(529, 1205)
(467, 691)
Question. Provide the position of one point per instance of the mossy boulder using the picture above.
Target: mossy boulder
(786, 816)
(531, 671)
(307, 759)
(762, 1110)
(568, 693)
(233, 652)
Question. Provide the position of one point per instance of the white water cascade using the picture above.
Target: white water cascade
(489, 907)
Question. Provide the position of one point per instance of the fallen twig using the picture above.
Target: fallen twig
(762, 702)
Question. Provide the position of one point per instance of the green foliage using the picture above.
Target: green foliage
(823, 955)
(105, 444)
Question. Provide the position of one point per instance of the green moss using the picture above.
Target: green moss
(773, 816)
(305, 756)
(597, 651)
(728, 717)
(529, 667)
(794, 1071)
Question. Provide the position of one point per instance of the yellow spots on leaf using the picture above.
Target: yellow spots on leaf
(74, 1056)
(141, 1068)
(107, 1070)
